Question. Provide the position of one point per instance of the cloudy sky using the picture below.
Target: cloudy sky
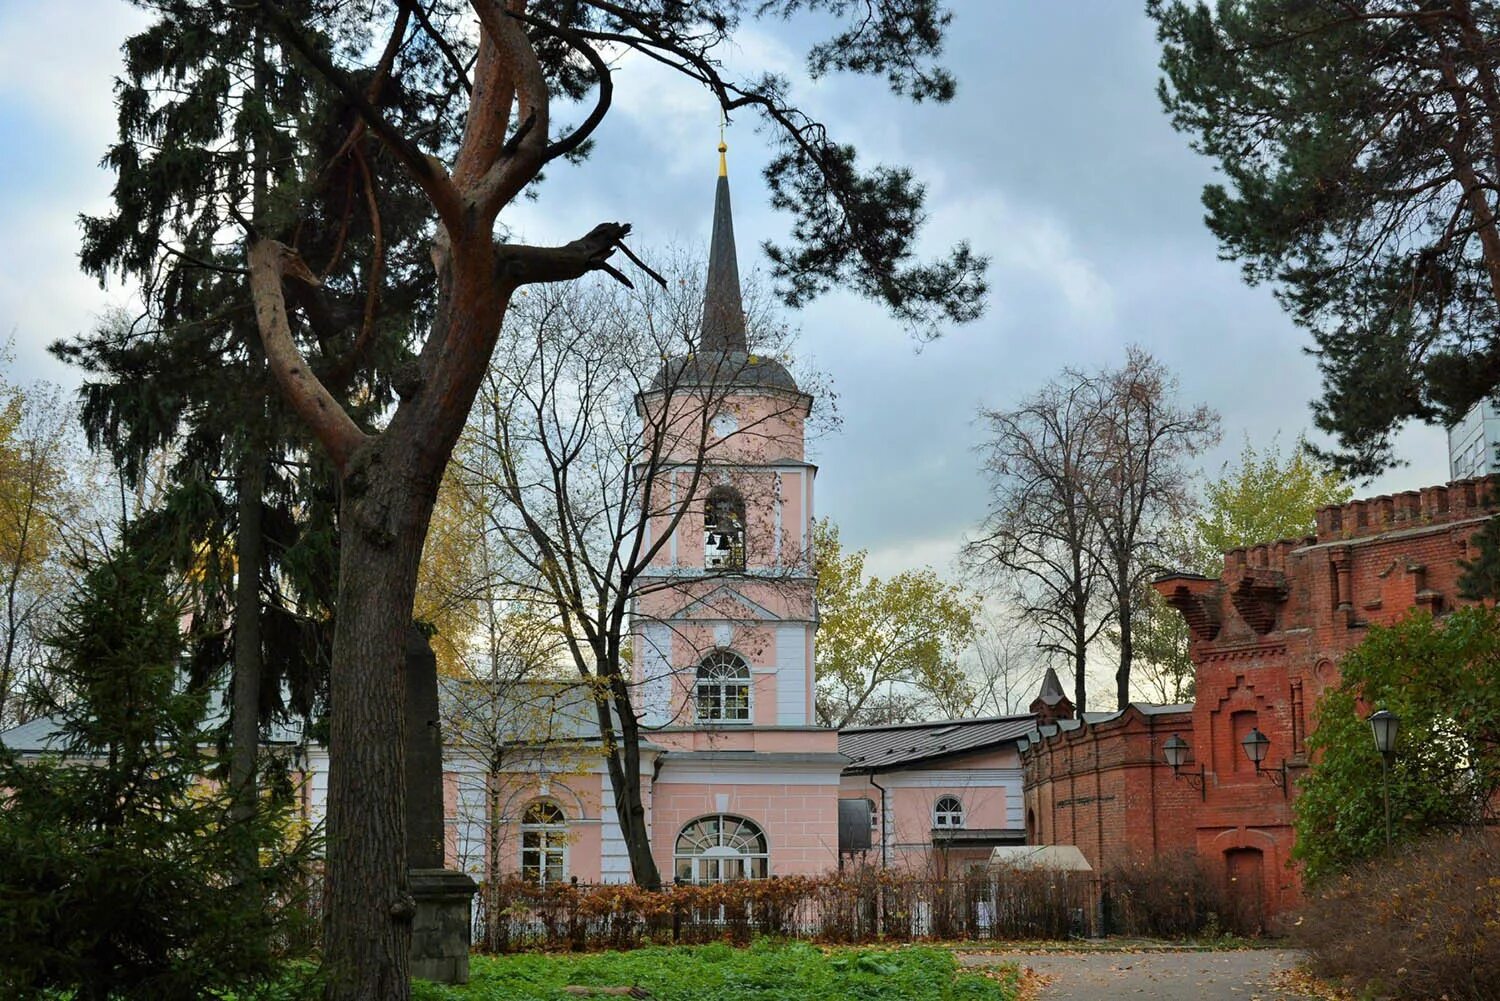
(1055, 160)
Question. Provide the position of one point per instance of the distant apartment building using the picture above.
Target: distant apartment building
(1474, 442)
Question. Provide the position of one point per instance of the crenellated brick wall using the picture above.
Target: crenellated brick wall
(1266, 639)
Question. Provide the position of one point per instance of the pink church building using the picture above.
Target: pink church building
(738, 779)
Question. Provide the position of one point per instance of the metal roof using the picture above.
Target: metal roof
(41, 734)
(878, 748)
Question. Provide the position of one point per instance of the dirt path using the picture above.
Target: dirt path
(1240, 975)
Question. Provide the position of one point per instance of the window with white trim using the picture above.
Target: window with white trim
(721, 848)
(948, 813)
(722, 692)
(544, 843)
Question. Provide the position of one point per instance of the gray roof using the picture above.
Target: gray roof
(41, 734)
(723, 358)
(1052, 690)
(878, 748)
(723, 369)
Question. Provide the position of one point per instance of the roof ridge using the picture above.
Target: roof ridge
(963, 720)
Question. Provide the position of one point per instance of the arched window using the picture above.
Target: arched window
(544, 843)
(948, 813)
(722, 694)
(721, 848)
(724, 530)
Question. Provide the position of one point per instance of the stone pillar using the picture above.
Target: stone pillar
(442, 926)
(442, 930)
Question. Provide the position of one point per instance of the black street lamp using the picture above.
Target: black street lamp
(1176, 752)
(1256, 744)
(1385, 724)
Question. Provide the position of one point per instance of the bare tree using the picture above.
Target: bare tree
(598, 431)
(1039, 545)
(1141, 486)
(1006, 666)
(1088, 477)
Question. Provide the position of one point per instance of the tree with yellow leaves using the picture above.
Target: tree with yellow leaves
(38, 503)
(888, 650)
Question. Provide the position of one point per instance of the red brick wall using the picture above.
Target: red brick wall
(1267, 638)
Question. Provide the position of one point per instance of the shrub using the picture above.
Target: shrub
(1171, 896)
(1424, 923)
(857, 905)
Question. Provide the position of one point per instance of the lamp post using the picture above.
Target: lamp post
(1175, 750)
(1385, 724)
(1256, 744)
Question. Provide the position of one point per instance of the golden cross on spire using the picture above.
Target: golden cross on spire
(723, 161)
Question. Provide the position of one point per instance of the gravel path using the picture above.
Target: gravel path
(1240, 975)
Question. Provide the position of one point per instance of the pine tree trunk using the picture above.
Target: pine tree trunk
(249, 556)
(369, 907)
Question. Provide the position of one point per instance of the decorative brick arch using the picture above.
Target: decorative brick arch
(1242, 837)
(1226, 758)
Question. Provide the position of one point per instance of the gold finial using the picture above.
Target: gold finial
(723, 162)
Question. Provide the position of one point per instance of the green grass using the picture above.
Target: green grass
(764, 972)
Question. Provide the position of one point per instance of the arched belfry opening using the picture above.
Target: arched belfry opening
(724, 529)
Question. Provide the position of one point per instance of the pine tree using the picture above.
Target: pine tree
(1357, 143)
(118, 857)
(489, 118)
(249, 510)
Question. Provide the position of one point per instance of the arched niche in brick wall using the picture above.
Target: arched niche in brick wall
(1240, 708)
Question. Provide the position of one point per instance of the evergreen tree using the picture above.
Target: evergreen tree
(1358, 143)
(118, 857)
(491, 104)
(249, 510)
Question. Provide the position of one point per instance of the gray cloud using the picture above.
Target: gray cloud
(1055, 159)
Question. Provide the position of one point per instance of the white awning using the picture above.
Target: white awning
(1063, 858)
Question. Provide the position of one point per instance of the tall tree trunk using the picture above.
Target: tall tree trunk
(630, 808)
(1080, 660)
(1127, 656)
(383, 522)
(249, 557)
(1125, 599)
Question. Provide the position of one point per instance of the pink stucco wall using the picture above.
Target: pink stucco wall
(578, 794)
(800, 821)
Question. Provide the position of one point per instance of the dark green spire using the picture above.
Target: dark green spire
(723, 312)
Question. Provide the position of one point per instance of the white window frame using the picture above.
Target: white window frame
(713, 686)
(552, 842)
(711, 847)
(948, 818)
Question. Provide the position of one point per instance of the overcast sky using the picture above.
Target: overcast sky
(1055, 159)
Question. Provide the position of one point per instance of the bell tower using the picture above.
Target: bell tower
(723, 628)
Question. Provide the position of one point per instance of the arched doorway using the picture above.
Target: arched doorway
(1244, 870)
